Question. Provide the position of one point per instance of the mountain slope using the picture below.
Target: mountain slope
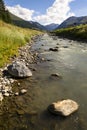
(26, 24)
(51, 27)
(77, 32)
(73, 21)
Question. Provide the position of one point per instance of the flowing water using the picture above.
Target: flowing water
(30, 110)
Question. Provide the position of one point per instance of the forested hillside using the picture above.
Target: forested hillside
(4, 14)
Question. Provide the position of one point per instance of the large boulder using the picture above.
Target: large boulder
(19, 70)
(64, 107)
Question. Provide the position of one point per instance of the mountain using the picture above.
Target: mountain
(73, 21)
(26, 24)
(51, 27)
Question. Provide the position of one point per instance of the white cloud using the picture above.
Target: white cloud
(59, 11)
(21, 12)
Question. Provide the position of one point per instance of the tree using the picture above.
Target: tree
(4, 14)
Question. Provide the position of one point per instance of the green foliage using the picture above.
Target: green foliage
(4, 14)
(77, 32)
(11, 38)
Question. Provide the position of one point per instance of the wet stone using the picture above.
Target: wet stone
(56, 75)
(53, 49)
(19, 70)
(64, 107)
(17, 94)
(6, 94)
(23, 91)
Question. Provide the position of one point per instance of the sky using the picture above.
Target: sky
(47, 11)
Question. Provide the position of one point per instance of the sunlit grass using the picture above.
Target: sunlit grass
(77, 32)
(11, 38)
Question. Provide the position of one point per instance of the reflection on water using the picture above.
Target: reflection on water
(29, 112)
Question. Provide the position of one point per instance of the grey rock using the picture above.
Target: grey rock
(19, 70)
(64, 107)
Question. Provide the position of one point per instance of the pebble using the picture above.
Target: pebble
(23, 91)
(6, 94)
(1, 97)
(19, 84)
(17, 94)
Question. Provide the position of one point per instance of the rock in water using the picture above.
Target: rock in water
(23, 91)
(19, 70)
(64, 107)
(53, 49)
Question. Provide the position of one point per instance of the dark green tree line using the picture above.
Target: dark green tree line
(4, 14)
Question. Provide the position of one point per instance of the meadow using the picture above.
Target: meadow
(11, 38)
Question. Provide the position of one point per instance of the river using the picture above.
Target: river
(29, 111)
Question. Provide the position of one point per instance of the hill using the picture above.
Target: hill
(73, 21)
(26, 24)
(77, 32)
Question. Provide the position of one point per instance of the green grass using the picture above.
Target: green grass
(11, 38)
(77, 32)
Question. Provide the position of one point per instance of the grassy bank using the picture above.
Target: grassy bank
(11, 38)
(77, 32)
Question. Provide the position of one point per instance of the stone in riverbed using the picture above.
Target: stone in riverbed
(19, 70)
(53, 49)
(23, 91)
(16, 94)
(64, 107)
(56, 75)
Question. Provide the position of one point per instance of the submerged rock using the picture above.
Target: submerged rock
(56, 75)
(64, 107)
(65, 47)
(53, 49)
(19, 70)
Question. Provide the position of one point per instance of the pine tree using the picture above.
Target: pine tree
(4, 14)
(2, 6)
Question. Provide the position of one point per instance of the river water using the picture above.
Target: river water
(29, 111)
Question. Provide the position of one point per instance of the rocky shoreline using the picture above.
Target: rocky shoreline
(6, 80)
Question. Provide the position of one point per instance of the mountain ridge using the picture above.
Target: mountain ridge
(73, 21)
(51, 26)
(26, 24)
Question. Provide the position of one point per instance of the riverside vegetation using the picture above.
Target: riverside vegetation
(11, 38)
(76, 32)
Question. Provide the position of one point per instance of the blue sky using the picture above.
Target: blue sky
(47, 11)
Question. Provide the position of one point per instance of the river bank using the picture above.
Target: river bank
(77, 33)
(6, 80)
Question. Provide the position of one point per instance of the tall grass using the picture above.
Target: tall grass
(11, 38)
(77, 32)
